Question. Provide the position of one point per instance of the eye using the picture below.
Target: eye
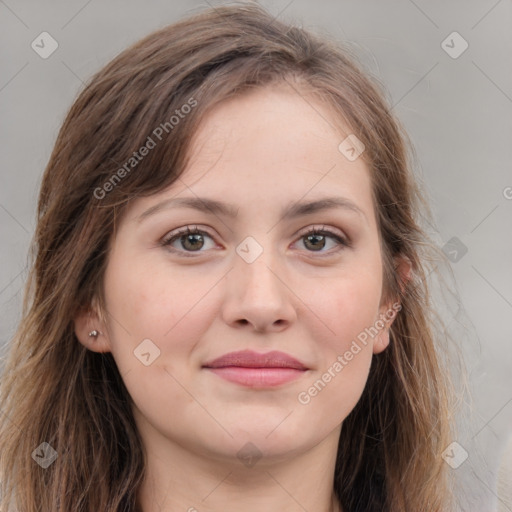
(316, 239)
(192, 240)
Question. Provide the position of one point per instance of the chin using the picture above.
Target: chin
(276, 440)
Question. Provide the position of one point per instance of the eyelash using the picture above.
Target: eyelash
(168, 240)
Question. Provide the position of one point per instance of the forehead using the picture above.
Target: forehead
(279, 121)
(279, 134)
(269, 147)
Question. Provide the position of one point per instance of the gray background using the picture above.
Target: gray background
(457, 112)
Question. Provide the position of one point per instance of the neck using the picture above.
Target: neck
(178, 479)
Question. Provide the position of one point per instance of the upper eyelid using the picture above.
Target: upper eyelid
(322, 227)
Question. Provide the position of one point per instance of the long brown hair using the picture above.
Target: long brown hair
(56, 391)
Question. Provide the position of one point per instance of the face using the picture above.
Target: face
(251, 276)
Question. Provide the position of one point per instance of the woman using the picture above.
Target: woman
(228, 304)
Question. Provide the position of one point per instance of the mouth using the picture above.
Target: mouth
(251, 369)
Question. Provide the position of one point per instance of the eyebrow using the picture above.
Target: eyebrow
(228, 210)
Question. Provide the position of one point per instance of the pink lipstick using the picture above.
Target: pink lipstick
(255, 370)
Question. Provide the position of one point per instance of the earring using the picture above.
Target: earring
(94, 334)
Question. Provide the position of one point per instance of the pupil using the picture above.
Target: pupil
(195, 238)
(313, 237)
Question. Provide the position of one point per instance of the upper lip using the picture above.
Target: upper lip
(250, 359)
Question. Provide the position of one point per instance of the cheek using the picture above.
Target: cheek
(152, 330)
(148, 297)
(335, 391)
(339, 380)
(153, 303)
(350, 306)
(349, 309)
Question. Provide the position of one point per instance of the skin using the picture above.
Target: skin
(260, 152)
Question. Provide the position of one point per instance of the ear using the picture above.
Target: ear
(88, 320)
(403, 268)
(389, 310)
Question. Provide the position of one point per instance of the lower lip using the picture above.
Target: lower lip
(257, 377)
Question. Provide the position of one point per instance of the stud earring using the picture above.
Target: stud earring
(94, 334)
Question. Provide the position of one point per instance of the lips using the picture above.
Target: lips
(250, 359)
(257, 371)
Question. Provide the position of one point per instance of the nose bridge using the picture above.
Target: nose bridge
(257, 268)
(256, 293)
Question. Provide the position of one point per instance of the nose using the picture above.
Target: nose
(258, 296)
